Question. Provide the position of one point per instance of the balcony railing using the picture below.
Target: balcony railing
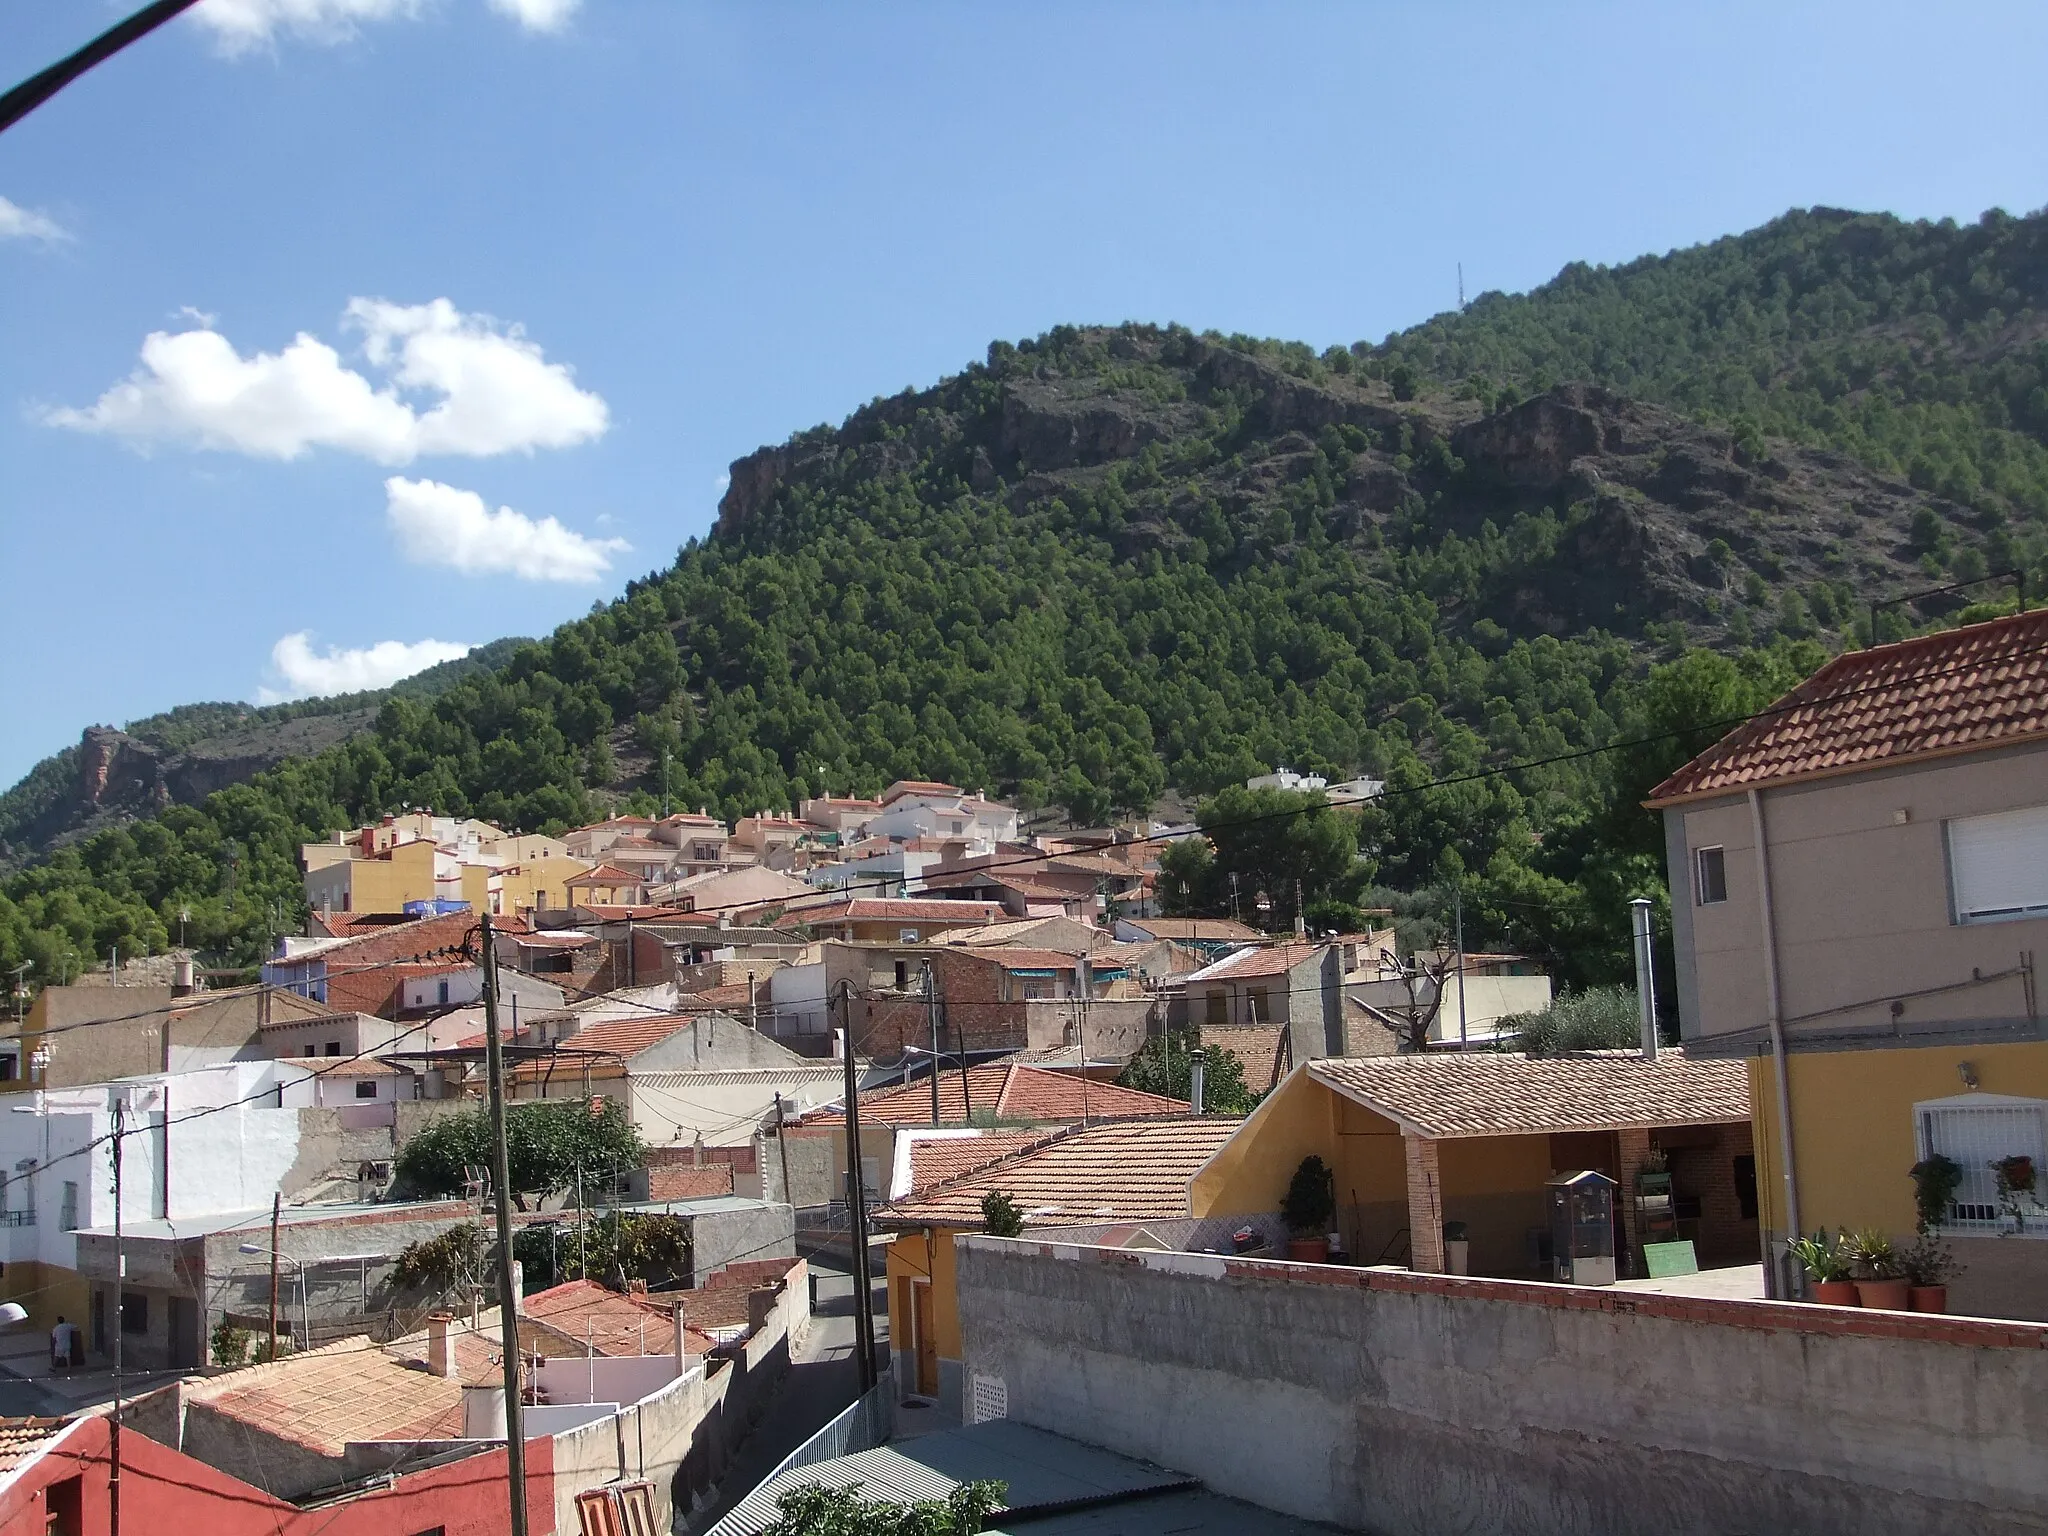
(17, 1218)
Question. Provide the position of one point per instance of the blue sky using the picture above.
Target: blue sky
(667, 233)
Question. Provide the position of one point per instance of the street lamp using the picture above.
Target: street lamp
(260, 1250)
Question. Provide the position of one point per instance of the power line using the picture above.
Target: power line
(39, 88)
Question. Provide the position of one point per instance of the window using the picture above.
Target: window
(1976, 1130)
(365, 1088)
(443, 992)
(902, 974)
(134, 1312)
(67, 1220)
(332, 1048)
(7, 1067)
(1998, 866)
(1710, 876)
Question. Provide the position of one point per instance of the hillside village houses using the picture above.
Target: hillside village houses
(707, 980)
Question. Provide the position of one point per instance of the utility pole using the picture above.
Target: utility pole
(276, 1211)
(501, 1188)
(931, 1008)
(1235, 915)
(120, 1274)
(857, 1201)
(1458, 901)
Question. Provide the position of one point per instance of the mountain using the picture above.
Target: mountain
(1107, 562)
(185, 754)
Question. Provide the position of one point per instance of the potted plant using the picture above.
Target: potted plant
(1311, 1202)
(1928, 1267)
(1935, 1182)
(1827, 1268)
(1457, 1249)
(1874, 1264)
(2015, 1178)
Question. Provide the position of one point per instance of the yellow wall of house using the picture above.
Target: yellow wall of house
(519, 885)
(1853, 1136)
(476, 887)
(386, 885)
(47, 1291)
(919, 1255)
(1249, 1173)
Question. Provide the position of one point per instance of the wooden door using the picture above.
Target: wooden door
(927, 1346)
(184, 1333)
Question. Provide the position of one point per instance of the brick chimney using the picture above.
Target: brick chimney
(440, 1352)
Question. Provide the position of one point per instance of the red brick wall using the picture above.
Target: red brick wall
(746, 1274)
(688, 1183)
(972, 1012)
(1723, 1236)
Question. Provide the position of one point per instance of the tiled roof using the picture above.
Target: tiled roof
(329, 1066)
(1205, 929)
(325, 1398)
(1028, 959)
(603, 874)
(897, 909)
(22, 1438)
(917, 787)
(1017, 930)
(1486, 1094)
(937, 1159)
(612, 1323)
(1984, 685)
(1008, 1091)
(620, 1037)
(1135, 1170)
(1247, 964)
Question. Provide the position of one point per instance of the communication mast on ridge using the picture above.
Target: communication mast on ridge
(1461, 287)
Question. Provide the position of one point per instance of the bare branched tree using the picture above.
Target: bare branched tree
(1422, 977)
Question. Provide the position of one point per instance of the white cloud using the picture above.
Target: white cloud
(242, 25)
(444, 525)
(722, 481)
(488, 390)
(19, 223)
(538, 15)
(307, 673)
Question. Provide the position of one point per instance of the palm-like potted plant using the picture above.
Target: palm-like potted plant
(1928, 1267)
(1827, 1267)
(1311, 1202)
(1874, 1264)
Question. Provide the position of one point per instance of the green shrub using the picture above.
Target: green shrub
(1598, 1019)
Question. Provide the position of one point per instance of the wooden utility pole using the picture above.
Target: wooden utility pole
(120, 1274)
(501, 1188)
(931, 1009)
(857, 1200)
(276, 1212)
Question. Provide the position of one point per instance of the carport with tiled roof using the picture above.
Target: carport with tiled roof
(1416, 1141)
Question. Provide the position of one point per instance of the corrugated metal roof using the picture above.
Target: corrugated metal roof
(1042, 1471)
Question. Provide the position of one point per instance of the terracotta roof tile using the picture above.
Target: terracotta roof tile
(1131, 1171)
(1008, 1091)
(623, 1037)
(325, 1398)
(941, 1158)
(1201, 929)
(1246, 964)
(22, 1438)
(603, 874)
(1485, 1094)
(896, 908)
(613, 1324)
(1967, 689)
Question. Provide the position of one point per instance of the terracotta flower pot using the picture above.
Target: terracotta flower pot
(1309, 1250)
(1835, 1293)
(1884, 1295)
(1928, 1298)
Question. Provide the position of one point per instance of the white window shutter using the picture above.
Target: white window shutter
(1999, 864)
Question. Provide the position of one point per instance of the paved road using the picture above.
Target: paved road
(823, 1381)
(19, 1398)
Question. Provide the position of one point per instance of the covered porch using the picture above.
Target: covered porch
(1414, 1143)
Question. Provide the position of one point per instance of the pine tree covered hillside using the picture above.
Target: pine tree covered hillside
(1111, 562)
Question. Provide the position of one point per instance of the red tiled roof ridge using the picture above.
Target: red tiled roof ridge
(1810, 734)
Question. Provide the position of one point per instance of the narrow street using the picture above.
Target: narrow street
(823, 1381)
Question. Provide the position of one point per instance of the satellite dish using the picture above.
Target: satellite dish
(12, 1313)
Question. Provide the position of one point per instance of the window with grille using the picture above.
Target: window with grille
(991, 1398)
(1975, 1131)
(1998, 866)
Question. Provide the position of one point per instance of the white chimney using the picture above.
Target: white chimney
(440, 1352)
(483, 1413)
(518, 1288)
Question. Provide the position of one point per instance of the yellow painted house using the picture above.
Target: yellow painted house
(1859, 889)
(1129, 1171)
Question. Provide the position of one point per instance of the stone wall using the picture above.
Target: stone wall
(1405, 1403)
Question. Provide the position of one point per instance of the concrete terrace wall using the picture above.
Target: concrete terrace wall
(681, 1437)
(1404, 1403)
